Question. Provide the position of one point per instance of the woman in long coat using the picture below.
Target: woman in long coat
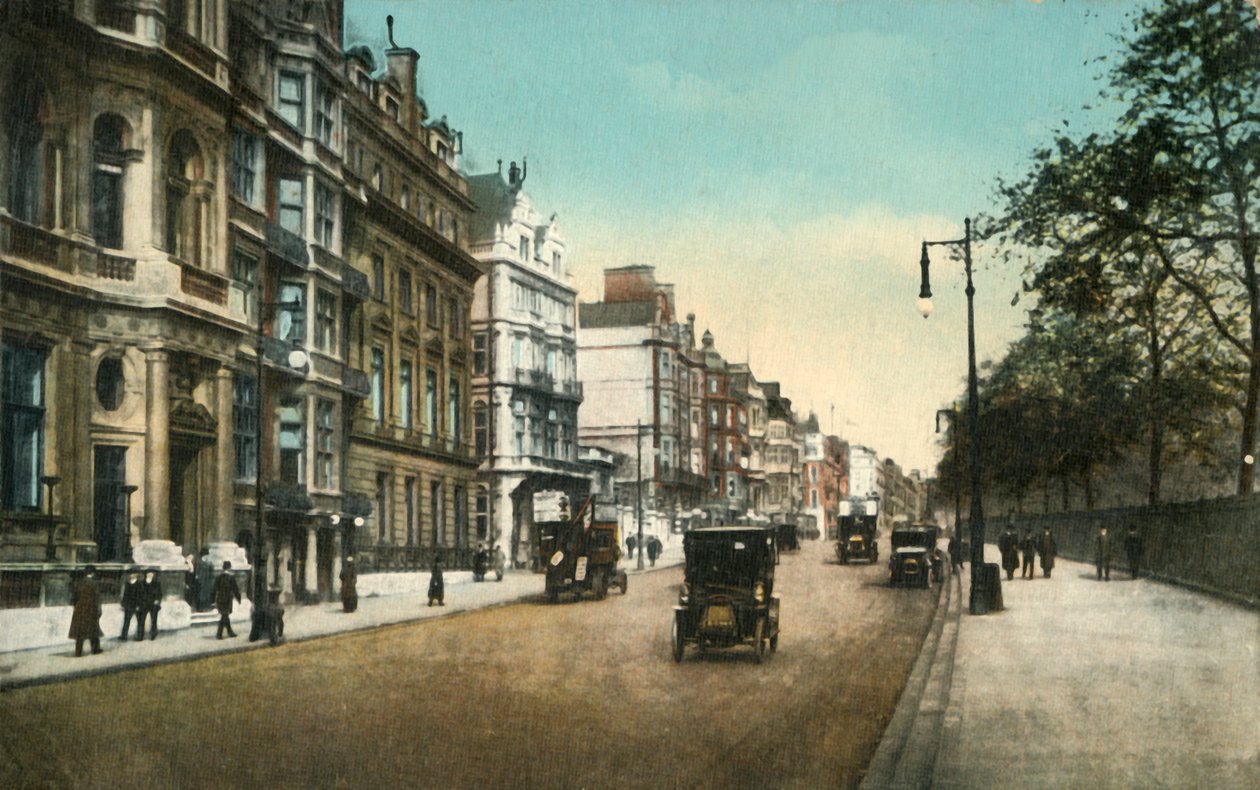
(1008, 544)
(85, 621)
(1047, 549)
(349, 589)
(437, 590)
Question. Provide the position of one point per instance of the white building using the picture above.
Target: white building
(525, 388)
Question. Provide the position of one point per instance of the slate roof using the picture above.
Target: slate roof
(596, 315)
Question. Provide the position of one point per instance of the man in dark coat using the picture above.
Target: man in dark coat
(1102, 554)
(1133, 548)
(1048, 550)
(133, 605)
(1030, 556)
(225, 591)
(349, 588)
(1008, 545)
(152, 603)
(653, 549)
(437, 590)
(955, 550)
(85, 622)
(630, 541)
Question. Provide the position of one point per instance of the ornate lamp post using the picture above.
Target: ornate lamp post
(979, 601)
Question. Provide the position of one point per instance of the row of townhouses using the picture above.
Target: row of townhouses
(252, 307)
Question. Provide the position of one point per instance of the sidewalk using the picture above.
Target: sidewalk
(58, 663)
(1084, 683)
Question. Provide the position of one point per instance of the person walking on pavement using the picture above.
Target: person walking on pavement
(349, 586)
(85, 621)
(955, 550)
(152, 604)
(630, 541)
(132, 602)
(653, 549)
(437, 590)
(204, 577)
(225, 591)
(1133, 548)
(1048, 550)
(1008, 545)
(1102, 554)
(1030, 556)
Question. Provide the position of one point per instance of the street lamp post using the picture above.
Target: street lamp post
(638, 508)
(979, 594)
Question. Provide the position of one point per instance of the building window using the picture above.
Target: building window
(184, 226)
(461, 517)
(291, 198)
(405, 393)
(391, 107)
(480, 341)
(326, 321)
(713, 386)
(245, 426)
(431, 306)
(524, 248)
(666, 411)
(566, 441)
(556, 271)
(378, 178)
(713, 415)
(483, 514)
(378, 277)
(481, 429)
(439, 511)
(378, 385)
(813, 498)
(292, 441)
(665, 366)
(405, 301)
(291, 313)
(382, 505)
(110, 383)
(454, 319)
(409, 503)
(518, 425)
(667, 454)
(431, 402)
(244, 166)
(291, 99)
(245, 273)
(21, 427)
(28, 104)
(107, 182)
(324, 421)
(454, 408)
(325, 115)
(325, 216)
(404, 198)
(536, 430)
(553, 433)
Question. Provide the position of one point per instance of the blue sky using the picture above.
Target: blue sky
(779, 162)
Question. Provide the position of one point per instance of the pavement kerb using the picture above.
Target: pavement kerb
(90, 671)
(908, 746)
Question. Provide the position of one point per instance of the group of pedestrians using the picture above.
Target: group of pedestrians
(141, 601)
(1043, 546)
(653, 548)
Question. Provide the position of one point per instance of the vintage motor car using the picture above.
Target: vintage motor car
(727, 597)
(856, 531)
(915, 559)
(582, 553)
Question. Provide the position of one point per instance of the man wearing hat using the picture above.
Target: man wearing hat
(152, 603)
(133, 604)
(349, 591)
(225, 591)
(85, 622)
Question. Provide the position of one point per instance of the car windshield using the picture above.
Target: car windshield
(728, 562)
(911, 538)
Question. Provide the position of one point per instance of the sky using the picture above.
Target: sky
(780, 163)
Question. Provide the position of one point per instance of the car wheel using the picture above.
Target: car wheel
(679, 644)
(599, 585)
(774, 642)
(759, 639)
(622, 582)
(498, 576)
(553, 596)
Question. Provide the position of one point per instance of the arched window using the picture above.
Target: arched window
(183, 204)
(26, 136)
(108, 143)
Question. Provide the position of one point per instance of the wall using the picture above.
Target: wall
(1212, 544)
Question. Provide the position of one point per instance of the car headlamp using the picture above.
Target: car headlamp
(683, 593)
(759, 593)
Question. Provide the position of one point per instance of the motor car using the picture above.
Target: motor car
(914, 560)
(582, 554)
(727, 597)
(856, 531)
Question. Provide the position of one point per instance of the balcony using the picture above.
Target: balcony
(190, 49)
(288, 247)
(683, 479)
(115, 267)
(36, 245)
(354, 283)
(201, 284)
(355, 382)
(288, 497)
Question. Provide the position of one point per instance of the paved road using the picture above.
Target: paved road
(571, 695)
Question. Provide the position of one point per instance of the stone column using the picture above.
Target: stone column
(224, 471)
(336, 561)
(76, 456)
(157, 432)
(311, 566)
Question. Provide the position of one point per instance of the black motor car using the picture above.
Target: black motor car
(915, 559)
(727, 597)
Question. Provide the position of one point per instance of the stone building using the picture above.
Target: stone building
(525, 389)
(222, 243)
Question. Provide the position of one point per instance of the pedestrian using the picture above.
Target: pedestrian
(152, 603)
(630, 542)
(225, 591)
(1030, 555)
(132, 605)
(437, 590)
(500, 561)
(85, 620)
(1048, 550)
(1008, 545)
(204, 576)
(955, 550)
(1133, 548)
(349, 586)
(653, 549)
(481, 559)
(1102, 554)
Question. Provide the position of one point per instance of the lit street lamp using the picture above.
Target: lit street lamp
(979, 601)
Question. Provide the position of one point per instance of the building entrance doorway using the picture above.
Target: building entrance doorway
(109, 504)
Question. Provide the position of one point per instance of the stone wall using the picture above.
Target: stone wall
(1211, 544)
